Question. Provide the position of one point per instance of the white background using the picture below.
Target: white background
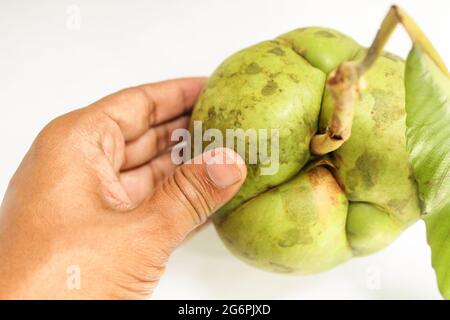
(52, 62)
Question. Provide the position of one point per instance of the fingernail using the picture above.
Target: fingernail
(223, 167)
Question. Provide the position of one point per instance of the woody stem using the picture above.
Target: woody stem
(344, 84)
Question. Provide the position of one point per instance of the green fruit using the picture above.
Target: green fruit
(315, 212)
(276, 232)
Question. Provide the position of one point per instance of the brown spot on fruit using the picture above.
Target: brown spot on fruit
(367, 165)
(211, 112)
(295, 236)
(294, 78)
(398, 204)
(253, 68)
(289, 239)
(277, 51)
(270, 88)
(386, 108)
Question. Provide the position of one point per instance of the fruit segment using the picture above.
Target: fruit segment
(266, 86)
(298, 227)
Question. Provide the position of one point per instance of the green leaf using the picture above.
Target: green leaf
(428, 140)
(438, 235)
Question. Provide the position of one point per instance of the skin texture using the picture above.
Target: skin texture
(98, 191)
(371, 168)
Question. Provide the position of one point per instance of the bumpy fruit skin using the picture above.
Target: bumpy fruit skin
(314, 213)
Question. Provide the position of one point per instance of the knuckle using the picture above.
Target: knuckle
(142, 102)
(132, 94)
(76, 135)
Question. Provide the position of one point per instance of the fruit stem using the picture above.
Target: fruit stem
(346, 81)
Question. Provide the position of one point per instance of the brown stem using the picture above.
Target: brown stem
(345, 83)
(344, 86)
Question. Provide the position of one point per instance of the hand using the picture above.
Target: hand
(97, 206)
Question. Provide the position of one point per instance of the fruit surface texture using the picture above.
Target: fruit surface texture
(315, 211)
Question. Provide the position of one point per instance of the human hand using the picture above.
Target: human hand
(98, 194)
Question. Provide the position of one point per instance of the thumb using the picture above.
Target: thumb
(198, 188)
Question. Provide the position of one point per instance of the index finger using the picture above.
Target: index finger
(139, 108)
